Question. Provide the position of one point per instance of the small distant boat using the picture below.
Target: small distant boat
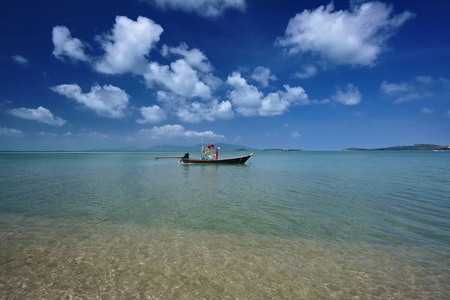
(208, 158)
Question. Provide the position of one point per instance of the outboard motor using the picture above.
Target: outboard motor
(186, 156)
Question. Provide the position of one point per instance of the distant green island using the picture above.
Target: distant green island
(416, 147)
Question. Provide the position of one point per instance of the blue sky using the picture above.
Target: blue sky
(313, 75)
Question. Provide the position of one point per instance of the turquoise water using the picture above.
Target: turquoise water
(287, 225)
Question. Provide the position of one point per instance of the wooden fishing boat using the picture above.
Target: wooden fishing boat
(233, 161)
(207, 157)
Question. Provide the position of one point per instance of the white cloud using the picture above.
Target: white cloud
(308, 72)
(273, 105)
(402, 91)
(430, 81)
(188, 77)
(180, 78)
(351, 96)
(196, 112)
(249, 101)
(20, 59)
(263, 76)
(353, 37)
(204, 134)
(205, 8)
(210, 80)
(67, 46)
(107, 101)
(41, 115)
(277, 103)
(427, 111)
(93, 134)
(425, 79)
(393, 88)
(11, 132)
(194, 57)
(295, 134)
(408, 97)
(175, 131)
(246, 98)
(418, 88)
(42, 133)
(295, 95)
(169, 100)
(222, 110)
(152, 114)
(128, 45)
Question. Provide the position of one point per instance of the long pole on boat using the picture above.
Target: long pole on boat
(165, 157)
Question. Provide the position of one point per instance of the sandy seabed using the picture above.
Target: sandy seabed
(112, 261)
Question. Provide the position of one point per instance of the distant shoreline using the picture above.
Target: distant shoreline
(417, 147)
(283, 150)
(231, 147)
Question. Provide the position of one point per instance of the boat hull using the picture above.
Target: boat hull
(231, 161)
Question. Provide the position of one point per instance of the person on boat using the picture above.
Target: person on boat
(186, 156)
(203, 155)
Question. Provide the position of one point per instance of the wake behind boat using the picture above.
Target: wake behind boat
(207, 157)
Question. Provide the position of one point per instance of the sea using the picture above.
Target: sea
(286, 225)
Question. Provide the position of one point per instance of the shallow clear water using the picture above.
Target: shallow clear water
(287, 225)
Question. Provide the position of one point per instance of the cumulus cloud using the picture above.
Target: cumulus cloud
(277, 103)
(128, 45)
(272, 105)
(41, 115)
(307, 72)
(295, 95)
(189, 76)
(176, 131)
(350, 96)
(180, 78)
(263, 75)
(249, 101)
(10, 132)
(194, 57)
(354, 37)
(152, 114)
(107, 101)
(67, 46)
(205, 8)
(20, 60)
(245, 97)
(169, 100)
(196, 112)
